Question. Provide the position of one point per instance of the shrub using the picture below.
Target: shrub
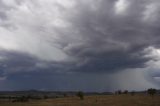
(151, 91)
(132, 93)
(119, 92)
(65, 94)
(45, 97)
(21, 99)
(125, 92)
(80, 95)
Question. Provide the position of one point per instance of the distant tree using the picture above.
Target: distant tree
(151, 91)
(133, 93)
(45, 97)
(9, 98)
(125, 92)
(21, 99)
(80, 95)
(65, 94)
(119, 92)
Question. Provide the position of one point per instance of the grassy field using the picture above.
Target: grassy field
(109, 100)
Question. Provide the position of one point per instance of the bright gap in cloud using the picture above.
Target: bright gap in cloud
(153, 53)
(151, 12)
(121, 6)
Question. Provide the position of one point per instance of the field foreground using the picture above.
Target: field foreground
(107, 100)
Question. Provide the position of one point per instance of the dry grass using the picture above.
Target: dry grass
(110, 100)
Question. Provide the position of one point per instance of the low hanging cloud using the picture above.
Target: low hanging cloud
(71, 36)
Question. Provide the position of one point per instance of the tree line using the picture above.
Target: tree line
(79, 94)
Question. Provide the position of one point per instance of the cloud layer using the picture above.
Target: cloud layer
(87, 37)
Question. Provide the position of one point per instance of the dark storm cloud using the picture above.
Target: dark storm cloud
(112, 63)
(95, 37)
(19, 63)
(101, 40)
(13, 62)
(110, 41)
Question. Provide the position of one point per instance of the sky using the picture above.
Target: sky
(72, 45)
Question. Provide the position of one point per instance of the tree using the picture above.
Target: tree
(21, 99)
(45, 97)
(119, 92)
(133, 93)
(151, 91)
(65, 94)
(125, 92)
(80, 95)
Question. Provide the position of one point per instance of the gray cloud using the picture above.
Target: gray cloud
(70, 37)
(107, 40)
